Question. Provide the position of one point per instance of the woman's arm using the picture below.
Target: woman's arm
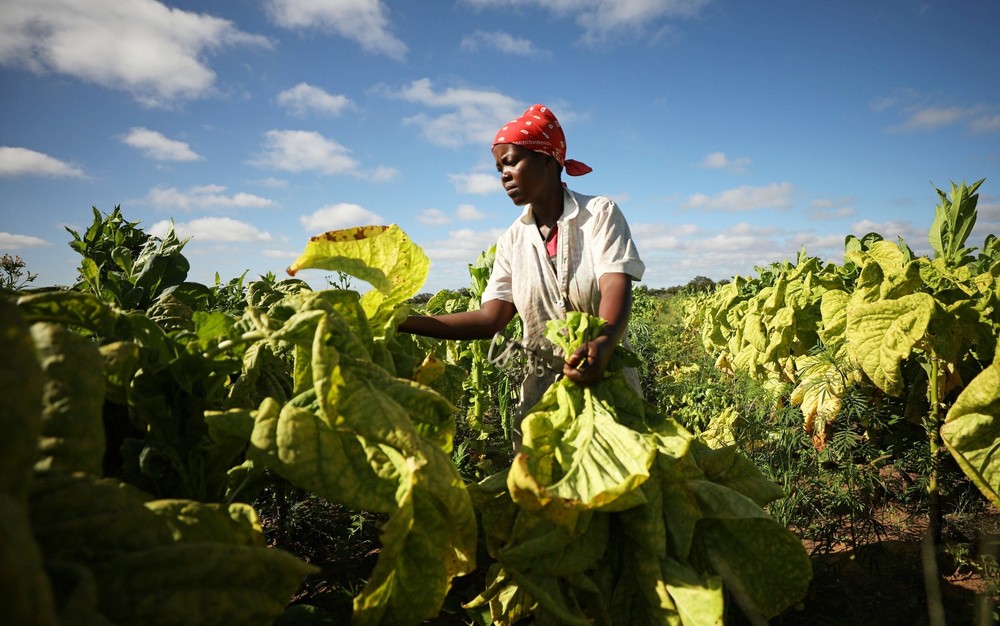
(490, 319)
(587, 364)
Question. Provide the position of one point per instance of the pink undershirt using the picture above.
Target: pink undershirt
(550, 244)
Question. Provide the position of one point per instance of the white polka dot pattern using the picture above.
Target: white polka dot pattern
(538, 129)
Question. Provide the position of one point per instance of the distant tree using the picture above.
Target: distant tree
(700, 284)
(421, 298)
(13, 275)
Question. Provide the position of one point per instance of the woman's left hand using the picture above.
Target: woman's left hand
(587, 364)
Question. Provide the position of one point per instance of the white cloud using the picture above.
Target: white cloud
(501, 42)
(157, 147)
(662, 236)
(600, 18)
(271, 181)
(988, 219)
(746, 198)
(204, 197)
(24, 162)
(437, 217)
(985, 124)
(676, 254)
(468, 213)
(338, 216)
(931, 118)
(471, 116)
(380, 174)
(719, 161)
(462, 245)
(914, 236)
(361, 21)
(211, 229)
(302, 151)
(13, 241)
(433, 217)
(831, 208)
(144, 47)
(476, 183)
(279, 254)
(304, 98)
(920, 116)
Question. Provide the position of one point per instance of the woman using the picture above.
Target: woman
(566, 251)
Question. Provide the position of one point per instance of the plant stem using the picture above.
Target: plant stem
(933, 426)
(929, 547)
(254, 335)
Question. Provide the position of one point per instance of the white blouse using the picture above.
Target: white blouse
(593, 239)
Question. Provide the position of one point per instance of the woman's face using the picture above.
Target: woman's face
(525, 174)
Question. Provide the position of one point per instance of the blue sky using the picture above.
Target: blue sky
(731, 133)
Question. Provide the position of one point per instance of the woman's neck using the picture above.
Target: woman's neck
(548, 212)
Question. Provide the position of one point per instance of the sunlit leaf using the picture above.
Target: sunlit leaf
(972, 432)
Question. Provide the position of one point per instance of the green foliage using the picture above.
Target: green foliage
(179, 403)
(125, 266)
(972, 431)
(489, 393)
(954, 219)
(886, 322)
(609, 500)
(111, 553)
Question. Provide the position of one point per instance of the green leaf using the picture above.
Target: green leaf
(759, 561)
(954, 220)
(728, 468)
(212, 328)
(972, 432)
(571, 332)
(71, 308)
(427, 541)
(21, 384)
(540, 547)
(193, 521)
(699, 599)
(72, 437)
(308, 452)
(89, 519)
(199, 583)
(24, 583)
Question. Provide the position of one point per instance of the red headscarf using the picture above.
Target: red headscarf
(539, 130)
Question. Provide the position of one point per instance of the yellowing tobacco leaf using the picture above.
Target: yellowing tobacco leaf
(972, 432)
(428, 540)
(819, 393)
(577, 457)
(302, 448)
(382, 256)
(431, 368)
(882, 334)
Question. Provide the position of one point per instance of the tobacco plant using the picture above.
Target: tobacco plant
(130, 491)
(916, 328)
(612, 513)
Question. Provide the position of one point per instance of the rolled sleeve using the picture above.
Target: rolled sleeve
(500, 284)
(614, 249)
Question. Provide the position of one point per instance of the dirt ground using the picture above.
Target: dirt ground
(881, 583)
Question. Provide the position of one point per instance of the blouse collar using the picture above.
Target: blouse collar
(570, 209)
